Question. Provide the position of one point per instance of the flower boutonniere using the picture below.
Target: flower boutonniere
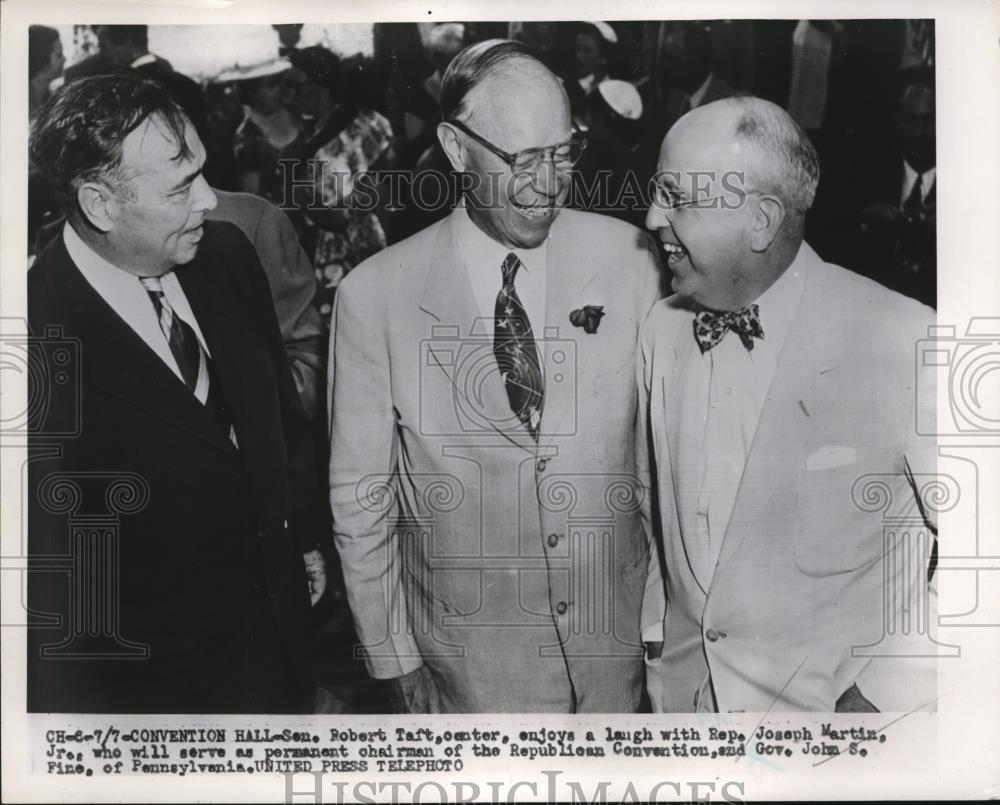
(588, 317)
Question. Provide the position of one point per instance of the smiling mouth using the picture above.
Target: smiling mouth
(534, 212)
(674, 252)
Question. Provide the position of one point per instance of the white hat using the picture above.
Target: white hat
(260, 70)
(606, 32)
(622, 97)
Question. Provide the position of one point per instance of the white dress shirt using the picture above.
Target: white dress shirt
(125, 296)
(910, 178)
(724, 393)
(483, 259)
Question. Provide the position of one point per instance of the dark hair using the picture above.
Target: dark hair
(78, 134)
(122, 34)
(468, 69)
(189, 97)
(320, 66)
(41, 38)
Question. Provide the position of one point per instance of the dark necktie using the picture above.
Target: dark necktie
(184, 345)
(514, 348)
(192, 360)
(710, 328)
(915, 201)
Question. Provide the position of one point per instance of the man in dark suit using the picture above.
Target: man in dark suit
(169, 500)
(120, 46)
(896, 227)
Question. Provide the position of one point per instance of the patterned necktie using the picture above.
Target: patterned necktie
(191, 358)
(710, 328)
(514, 348)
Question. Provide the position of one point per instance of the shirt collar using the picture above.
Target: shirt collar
(779, 303)
(910, 178)
(95, 268)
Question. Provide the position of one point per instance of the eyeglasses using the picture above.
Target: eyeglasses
(563, 155)
(670, 201)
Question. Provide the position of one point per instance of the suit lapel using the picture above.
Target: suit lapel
(796, 404)
(466, 351)
(235, 365)
(117, 360)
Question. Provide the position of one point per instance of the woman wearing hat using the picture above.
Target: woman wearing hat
(270, 131)
(347, 138)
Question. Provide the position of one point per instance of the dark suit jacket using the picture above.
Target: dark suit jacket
(901, 255)
(183, 542)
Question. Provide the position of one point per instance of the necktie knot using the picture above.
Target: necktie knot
(152, 285)
(509, 268)
(710, 327)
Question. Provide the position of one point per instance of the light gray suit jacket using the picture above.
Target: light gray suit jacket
(513, 570)
(812, 585)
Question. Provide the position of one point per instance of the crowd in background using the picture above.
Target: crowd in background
(306, 129)
(863, 90)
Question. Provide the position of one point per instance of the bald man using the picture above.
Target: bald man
(773, 387)
(482, 474)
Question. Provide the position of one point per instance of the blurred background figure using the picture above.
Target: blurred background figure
(421, 110)
(45, 65)
(592, 50)
(347, 138)
(611, 174)
(684, 79)
(269, 132)
(591, 47)
(120, 46)
(688, 74)
(896, 224)
(45, 69)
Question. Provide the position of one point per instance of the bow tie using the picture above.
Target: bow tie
(710, 328)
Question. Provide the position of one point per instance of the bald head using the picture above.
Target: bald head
(760, 139)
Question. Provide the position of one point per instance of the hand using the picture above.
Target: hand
(852, 701)
(316, 575)
(414, 692)
(654, 648)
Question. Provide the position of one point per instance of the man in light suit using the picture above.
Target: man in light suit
(773, 387)
(184, 429)
(483, 419)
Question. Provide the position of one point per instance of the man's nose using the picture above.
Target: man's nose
(205, 198)
(547, 179)
(656, 217)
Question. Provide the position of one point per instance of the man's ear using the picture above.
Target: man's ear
(453, 146)
(98, 205)
(766, 223)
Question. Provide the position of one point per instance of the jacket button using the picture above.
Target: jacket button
(553, 540)
(712, 635)
(561, 607)
(542, 462)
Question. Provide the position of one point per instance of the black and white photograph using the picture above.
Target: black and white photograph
(504, 408)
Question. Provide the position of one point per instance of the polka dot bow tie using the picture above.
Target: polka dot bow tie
(710, 328)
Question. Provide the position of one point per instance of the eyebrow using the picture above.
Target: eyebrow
(187, 179)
